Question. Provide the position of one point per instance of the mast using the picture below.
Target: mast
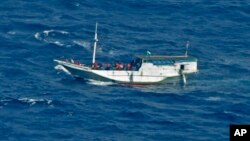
(95, 43)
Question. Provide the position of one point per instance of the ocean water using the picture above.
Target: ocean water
(38, 102)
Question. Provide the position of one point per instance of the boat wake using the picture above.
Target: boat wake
(99, 83)
(53, 37)
(83, 44)
(61, 68)
(60, 38)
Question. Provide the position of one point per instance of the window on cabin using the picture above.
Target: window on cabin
(162, 62)
(182, 67)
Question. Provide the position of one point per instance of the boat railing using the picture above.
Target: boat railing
(115, 66)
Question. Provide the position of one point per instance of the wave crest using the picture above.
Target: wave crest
(25, 100)
(32, 101)
(57, 37)
(60, 38)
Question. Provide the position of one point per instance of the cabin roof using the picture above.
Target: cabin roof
(158, 57)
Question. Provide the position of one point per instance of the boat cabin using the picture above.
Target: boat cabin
(166, 60)
(179, 62)
(183, 63)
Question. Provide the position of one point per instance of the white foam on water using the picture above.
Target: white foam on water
(99, 83)
(46, 32)
(63, 32)
(38, 36)
(58, 43)
(60, 67)
(49, 102)
(29, 100)
(213, 98)
(32, 101)
(82, 44)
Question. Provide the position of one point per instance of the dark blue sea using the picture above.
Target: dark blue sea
(38, 102)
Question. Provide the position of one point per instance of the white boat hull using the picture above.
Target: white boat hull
(142, 76)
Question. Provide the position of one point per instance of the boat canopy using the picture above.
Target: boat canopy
(167, 60)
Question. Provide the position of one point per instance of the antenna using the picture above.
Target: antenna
(95, 43)
(187, 46)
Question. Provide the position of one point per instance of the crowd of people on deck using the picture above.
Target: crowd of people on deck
(134, 65)
(115, 66)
